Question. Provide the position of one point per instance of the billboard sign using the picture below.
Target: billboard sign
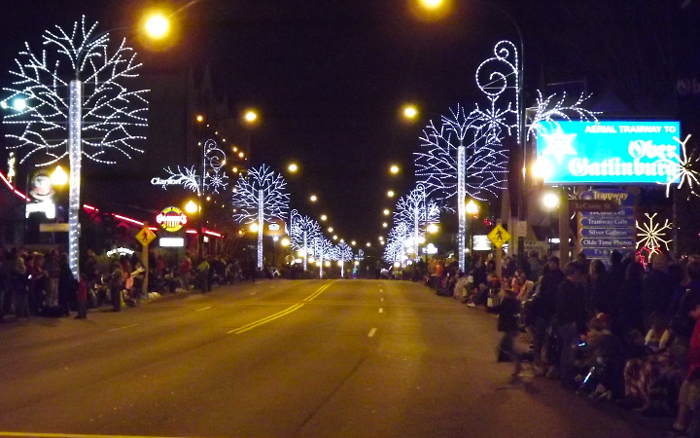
(609, 152)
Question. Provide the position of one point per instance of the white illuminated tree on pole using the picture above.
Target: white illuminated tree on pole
(395, 249)
(260, 197)
(464, 155)
(303, 231)
(344, 254)
(71, 101)
(416, 211)
(323, 251)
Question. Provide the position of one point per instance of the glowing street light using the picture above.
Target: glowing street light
(285, 241)
(387, 212)
(59, 177)
(432, 229)
(200, 118)
(394, 169)
(353, 243)
(191, 207)
(324, 217)
(157, 26)
(390, 193)
(293, 168)
(313, 198)
(250, 116)
(410, 111)
(385, 225)
(550, 200)
(330, 229)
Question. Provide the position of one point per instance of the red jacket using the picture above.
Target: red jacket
(82, 291)
(694, 352)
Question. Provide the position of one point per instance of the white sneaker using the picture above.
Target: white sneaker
(471, 305)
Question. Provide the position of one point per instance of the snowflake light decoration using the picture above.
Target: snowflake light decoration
(215, 179)
(652, 234)
(686, 172)
(260, 197)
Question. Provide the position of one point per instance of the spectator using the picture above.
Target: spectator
(690, 390)
(657, 287)
(19, 284)
(508, 323)
(631, 306)
(66, 285)
(570, 320)
(535, 266)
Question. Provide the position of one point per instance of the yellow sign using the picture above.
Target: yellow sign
(145, 236)
(499, 236)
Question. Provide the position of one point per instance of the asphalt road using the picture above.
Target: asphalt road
(344, 358)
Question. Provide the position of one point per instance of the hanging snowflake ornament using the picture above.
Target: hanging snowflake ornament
(685, 171)
(652, 235)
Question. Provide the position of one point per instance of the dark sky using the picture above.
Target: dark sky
(330, 76)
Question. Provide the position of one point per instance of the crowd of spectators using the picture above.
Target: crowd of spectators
(626, 332)
(42, 284)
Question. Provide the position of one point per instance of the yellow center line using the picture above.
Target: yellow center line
(279, 314)
(72, 435)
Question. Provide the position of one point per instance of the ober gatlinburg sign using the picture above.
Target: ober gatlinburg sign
(171, 219)
(609, 152)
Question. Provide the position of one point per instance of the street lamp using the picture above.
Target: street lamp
(394, 169)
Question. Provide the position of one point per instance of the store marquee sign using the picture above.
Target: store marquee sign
(171, 219)
(615, 152)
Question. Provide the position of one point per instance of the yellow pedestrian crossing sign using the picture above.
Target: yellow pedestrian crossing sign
(145, 236)
(499, 236)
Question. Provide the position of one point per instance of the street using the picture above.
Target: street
(306, 358)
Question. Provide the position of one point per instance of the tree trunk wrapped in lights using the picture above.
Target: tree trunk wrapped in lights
(260, 197)
(71, 101)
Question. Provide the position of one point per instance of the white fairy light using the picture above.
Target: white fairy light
(548, 112)
(394, 250)
(343, 252)
(465, 156)
(260, 197)
(303, 231)
(215, 179)
(99, 119)
(417, 212)
(685, 172)
(652, 234)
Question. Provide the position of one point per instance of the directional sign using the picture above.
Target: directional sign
(145, 236)
(593, 205)
(499, 236)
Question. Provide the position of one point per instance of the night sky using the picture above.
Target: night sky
(329, 77)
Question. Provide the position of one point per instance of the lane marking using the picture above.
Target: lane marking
(382, 298)
(279, 314)
(72, 435)
(122, 328)
(372, 332)
(381, 310)
(251, 294)
(205, 308)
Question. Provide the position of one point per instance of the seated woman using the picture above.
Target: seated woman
(602, 362)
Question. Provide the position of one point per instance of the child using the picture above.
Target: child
(508, 323)
(82, 298)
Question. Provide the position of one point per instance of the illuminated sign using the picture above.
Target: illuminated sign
(615, 152)
(275, 227)
(171, 219)
(171, 242)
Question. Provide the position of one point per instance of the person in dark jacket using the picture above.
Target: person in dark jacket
(508, 323)
(570, 320)
(66, 285)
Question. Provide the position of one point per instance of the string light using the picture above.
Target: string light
(686, 171)
(100, 119)
(259, 197)
(303, 231)
(417, 212)
(652, 234)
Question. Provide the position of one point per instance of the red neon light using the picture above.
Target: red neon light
(127, 219)
(212, 233)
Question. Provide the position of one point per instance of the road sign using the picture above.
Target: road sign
(53, 227)
(521, 230)
(499, 236)
(593, 205)
(145, 236)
